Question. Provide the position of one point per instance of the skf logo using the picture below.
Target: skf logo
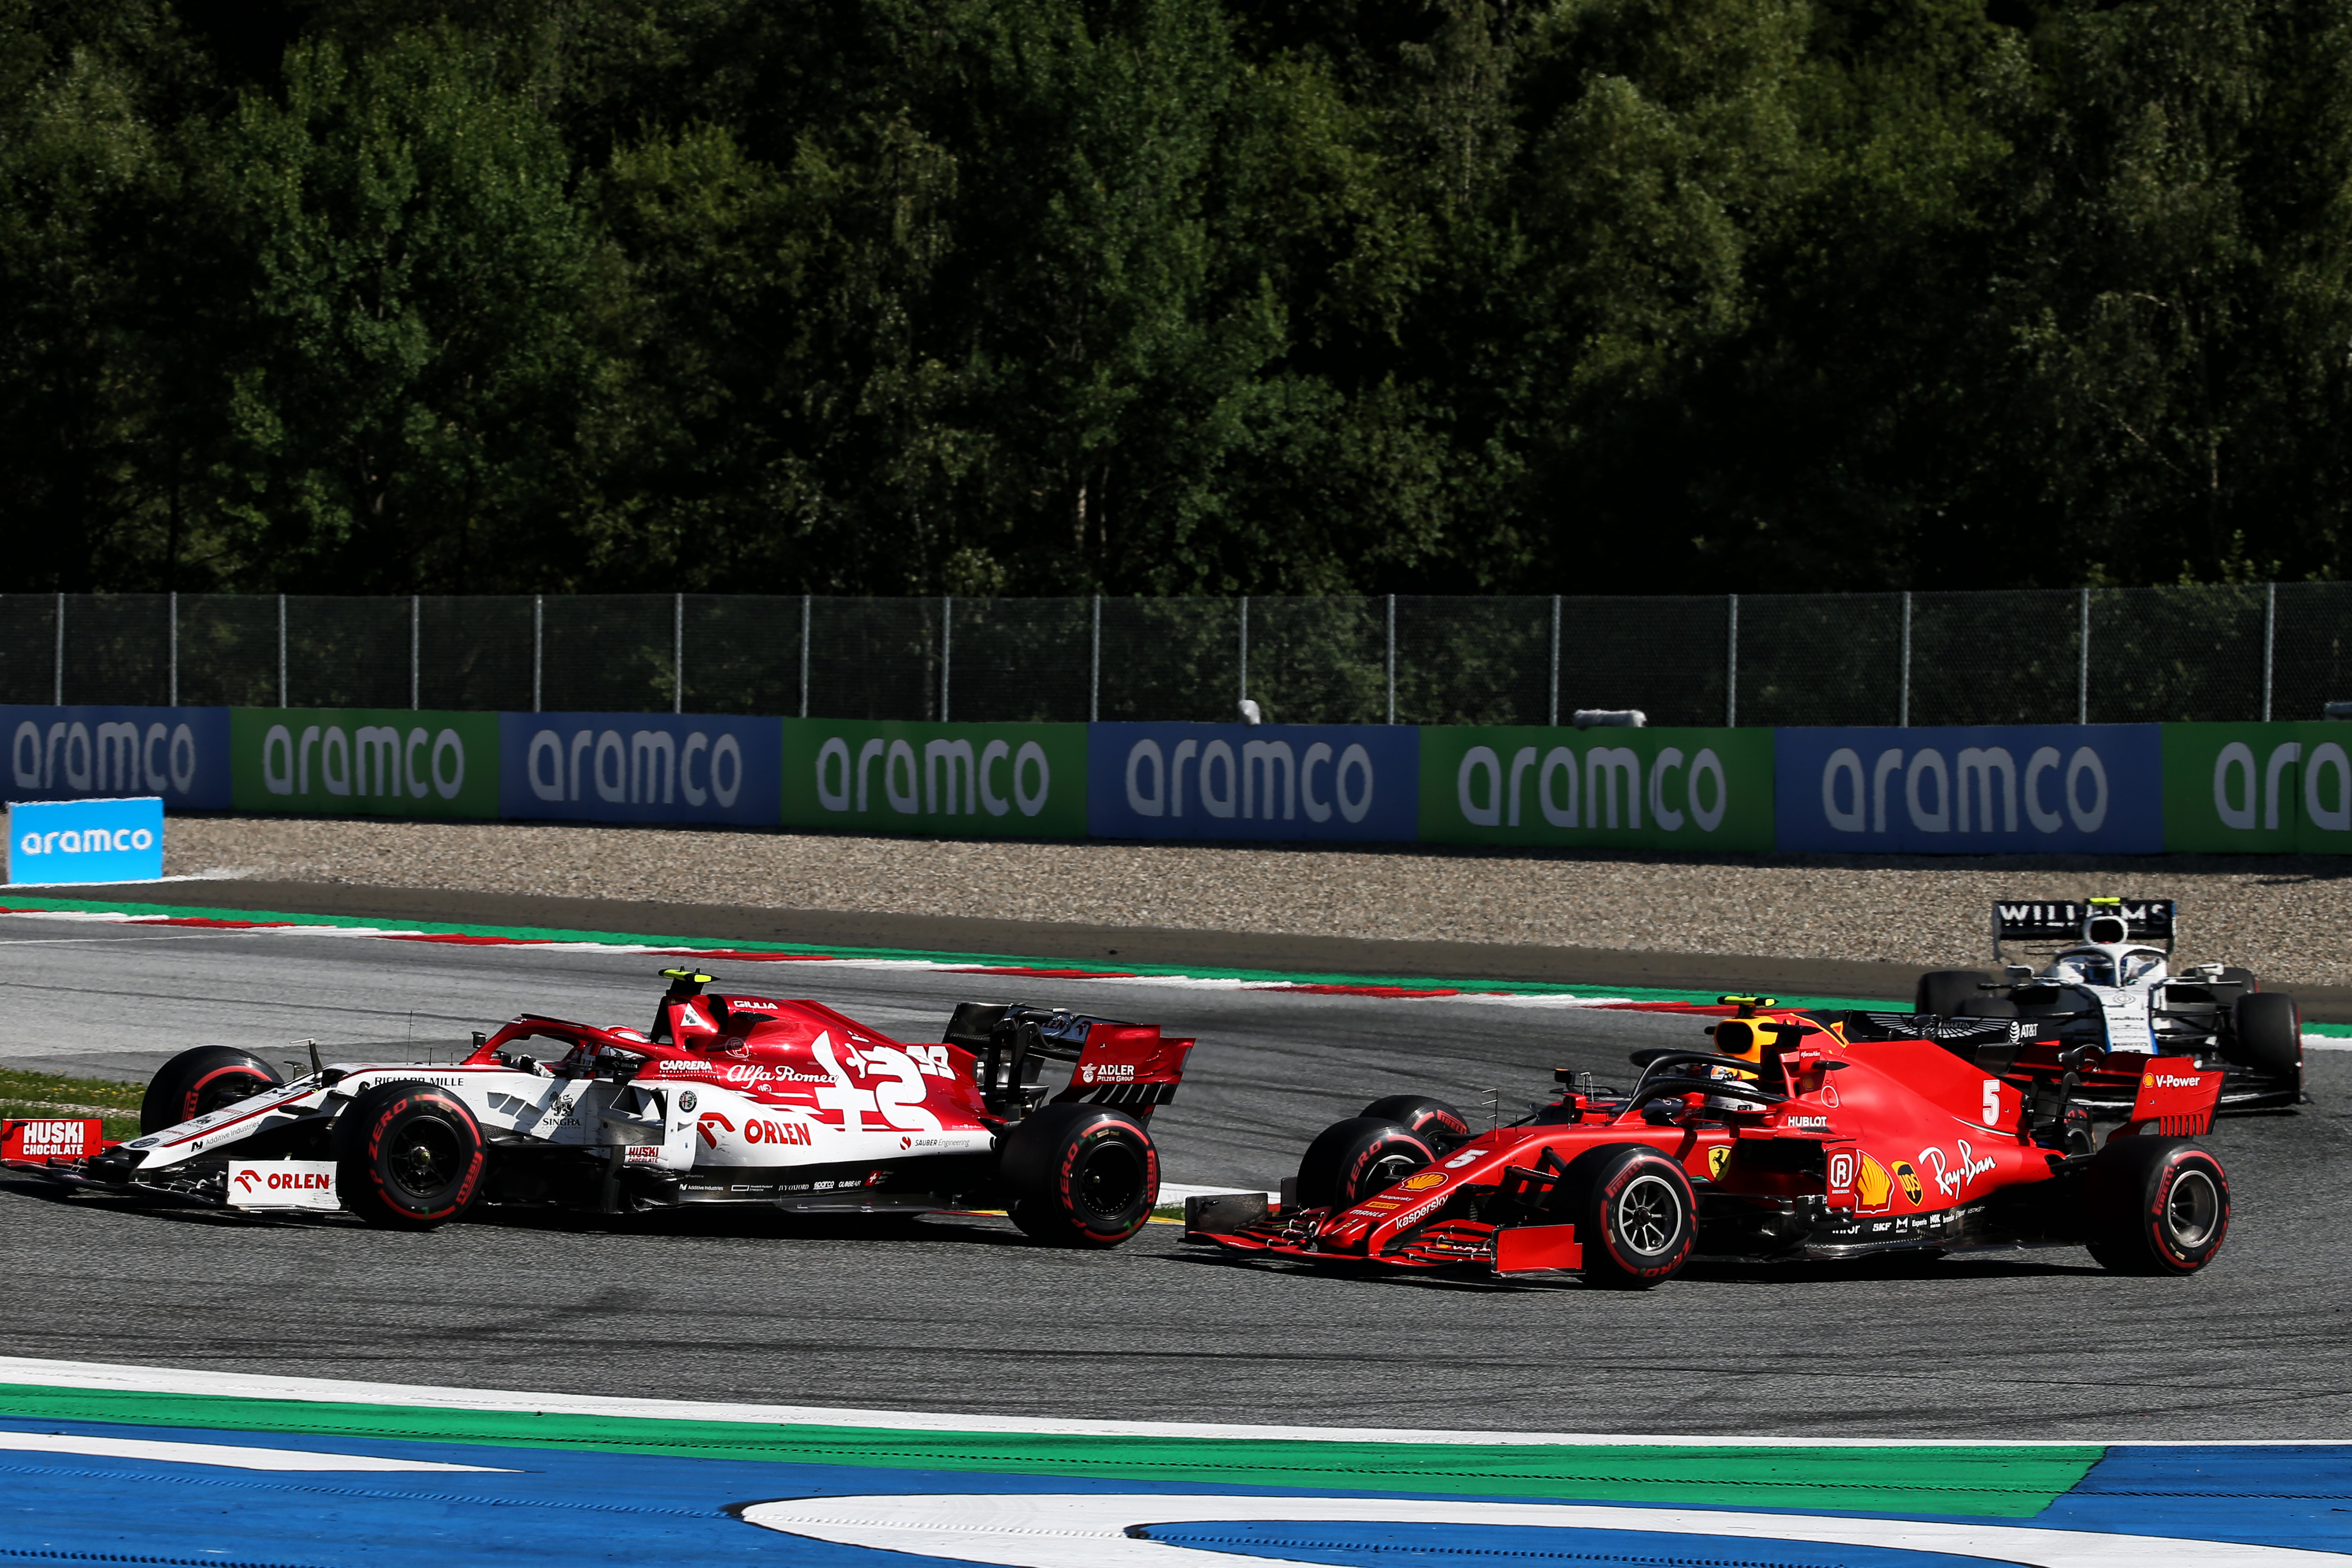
(1910, 1179)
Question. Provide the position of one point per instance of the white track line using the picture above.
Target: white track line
(114, 1377)
(229, 1455)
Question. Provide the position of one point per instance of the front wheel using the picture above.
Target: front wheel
(1439, 1123)
(200, 1081)
(1080, 1175)
(2155, 1206)
(1635, 1214)
(1948, 993)
(1351, 1160)
(408, 1156)
(2269, 1030)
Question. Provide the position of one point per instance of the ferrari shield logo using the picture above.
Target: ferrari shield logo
(1716, 1159)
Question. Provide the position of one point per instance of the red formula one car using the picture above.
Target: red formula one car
(729, 1098)
(1787, 1140)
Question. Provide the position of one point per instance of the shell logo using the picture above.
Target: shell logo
(1422, 1181)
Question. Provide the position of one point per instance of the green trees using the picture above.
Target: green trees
(1173, 296)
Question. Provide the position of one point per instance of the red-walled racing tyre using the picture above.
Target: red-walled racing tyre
(2155, 1206)
(1080, 1175)
(200, 1081)
(1635, 1214)
(1442, 1126)
(408, 1156)
(1351, 1160)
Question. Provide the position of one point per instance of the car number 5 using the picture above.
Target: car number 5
(1993, 1102)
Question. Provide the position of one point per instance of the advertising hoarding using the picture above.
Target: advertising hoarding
(638, 767)
(1348, 782)
(2258, 789)
(964, 781)
(1685, 789)
(75, 754)
(2035, 789)
(364, 761)
(86, 840)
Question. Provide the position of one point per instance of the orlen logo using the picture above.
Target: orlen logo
(775, 1132)
(249, 1180)
(709, 1119)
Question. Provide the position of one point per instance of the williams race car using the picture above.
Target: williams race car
(2102, 982)
(1788, 1138)
(729, 1098)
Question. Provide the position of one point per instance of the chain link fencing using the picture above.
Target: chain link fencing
(2023, 656)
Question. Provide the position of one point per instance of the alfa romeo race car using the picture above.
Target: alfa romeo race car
(1792, 1137)
(727, 1098)
(2102, 982)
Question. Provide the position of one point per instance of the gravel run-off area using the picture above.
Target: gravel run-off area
(2285, 916)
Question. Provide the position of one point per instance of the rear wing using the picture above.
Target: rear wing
(2071, 921)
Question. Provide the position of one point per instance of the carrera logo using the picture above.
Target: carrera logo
(1953, 1175)
(1422, 1181)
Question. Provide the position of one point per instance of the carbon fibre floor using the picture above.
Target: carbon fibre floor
(965, 1315)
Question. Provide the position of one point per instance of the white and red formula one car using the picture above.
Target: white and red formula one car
(729, 1099)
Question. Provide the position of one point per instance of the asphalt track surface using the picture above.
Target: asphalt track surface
(962, 1314)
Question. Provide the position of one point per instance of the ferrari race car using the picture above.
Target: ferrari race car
(2102, 983)
(1791, 1138)
(730, 1099)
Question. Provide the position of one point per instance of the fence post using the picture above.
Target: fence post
(1554, 718)
(1094, 667)
(1391, 658)
(1245, 649)
(1904, 721)
(1731, 672)
(947, 649)
(678, 656)
(57, 697)
(281, 650)
(2083, 672)
(175, 648)
(538, 645)
(806, 599)
(2269, 643)
(416, 642)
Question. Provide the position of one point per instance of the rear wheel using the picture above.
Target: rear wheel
(1946, 993)
(1080, 1175)
(1988, 1007)
(1351, 1160)
(2268, 1029)
(2155, 1206)
(200, 1081)
(1435, 1120)
(408, 1156)
(1634, 1213)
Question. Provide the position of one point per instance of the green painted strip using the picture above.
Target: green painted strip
(1992, 1481)
(798, 950)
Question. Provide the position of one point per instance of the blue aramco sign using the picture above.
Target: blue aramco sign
(86, 840)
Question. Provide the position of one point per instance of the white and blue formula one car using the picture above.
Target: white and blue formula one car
(727, 1100)
(2103, 989)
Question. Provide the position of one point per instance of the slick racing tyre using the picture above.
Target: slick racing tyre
(197, 1082)
(1634, 1211)
(2155, 1206)
(1445, 1127)
(1080, 1175)
(408, 1156)
(1351, 1160)
(1950, 993)
(2269, 1036)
